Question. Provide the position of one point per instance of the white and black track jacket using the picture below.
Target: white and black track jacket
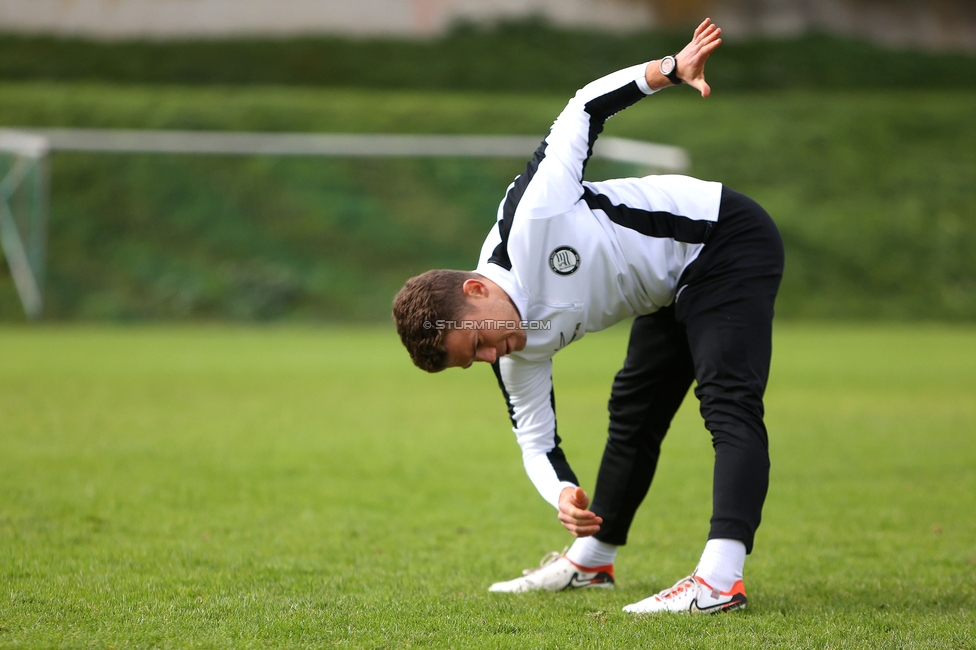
(576, 257)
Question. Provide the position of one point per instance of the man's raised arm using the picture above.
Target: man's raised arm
(554, 179)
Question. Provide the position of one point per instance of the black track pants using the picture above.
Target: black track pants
(719, 333)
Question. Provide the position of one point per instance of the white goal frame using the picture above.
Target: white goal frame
(25, 244)
(27, 253)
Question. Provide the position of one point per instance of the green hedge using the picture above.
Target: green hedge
(873, 192)
(514, 57)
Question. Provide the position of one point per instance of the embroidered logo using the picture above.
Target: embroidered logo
(564, 260)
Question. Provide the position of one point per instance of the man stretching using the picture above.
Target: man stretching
(696, 263)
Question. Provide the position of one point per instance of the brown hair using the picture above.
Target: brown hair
(425, 299)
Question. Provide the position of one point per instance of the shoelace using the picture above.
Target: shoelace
(678, 588)
(546, 560)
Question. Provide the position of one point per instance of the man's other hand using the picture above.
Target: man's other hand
(691, 59)
(573, 513)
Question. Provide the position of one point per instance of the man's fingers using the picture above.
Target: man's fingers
(711, 36)
(705, 23)
(581, 498)
(567, 518)
(705, 35)
(708, 37)
(585, 531)
(714, 45)
(580, 528)
(578, 516)
(574, 516)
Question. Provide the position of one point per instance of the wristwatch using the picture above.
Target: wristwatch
(669, 68)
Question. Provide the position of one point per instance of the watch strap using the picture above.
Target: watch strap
(673, 75)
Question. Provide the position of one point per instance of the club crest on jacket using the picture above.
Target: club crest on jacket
(564, 260)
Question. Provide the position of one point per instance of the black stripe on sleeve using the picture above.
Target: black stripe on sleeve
(605, 106)
(559, 463)
(499, 256)
(508, 398)
(653, 224)
(602, 108)
(556, 456)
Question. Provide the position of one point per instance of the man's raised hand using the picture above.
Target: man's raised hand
(573, 513)
(691, 59)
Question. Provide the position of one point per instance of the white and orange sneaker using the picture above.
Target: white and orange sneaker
(692, 595)
(555, 573)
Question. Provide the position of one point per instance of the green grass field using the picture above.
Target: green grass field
(214, 486)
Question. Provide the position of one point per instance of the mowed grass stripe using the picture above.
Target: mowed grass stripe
(287, 487)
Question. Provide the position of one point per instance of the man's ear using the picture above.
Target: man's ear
(473, 288)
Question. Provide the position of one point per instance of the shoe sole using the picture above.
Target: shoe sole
(602, 580)
(731, 606)
(599, 585)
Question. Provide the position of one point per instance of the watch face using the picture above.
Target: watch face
(667, 65)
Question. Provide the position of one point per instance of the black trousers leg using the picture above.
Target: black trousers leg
(727, 310)
(646, 394)
(718, 332)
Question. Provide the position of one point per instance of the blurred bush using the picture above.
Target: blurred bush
(525, 56)
(870, 180)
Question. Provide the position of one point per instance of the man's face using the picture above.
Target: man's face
(486, 302)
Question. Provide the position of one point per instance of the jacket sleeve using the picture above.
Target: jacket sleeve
(552, 182)
(527, 387)
(560, 161)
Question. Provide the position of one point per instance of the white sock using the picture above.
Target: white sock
(591, 552)
(721, 563)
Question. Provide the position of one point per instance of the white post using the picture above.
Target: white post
(26, 262)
